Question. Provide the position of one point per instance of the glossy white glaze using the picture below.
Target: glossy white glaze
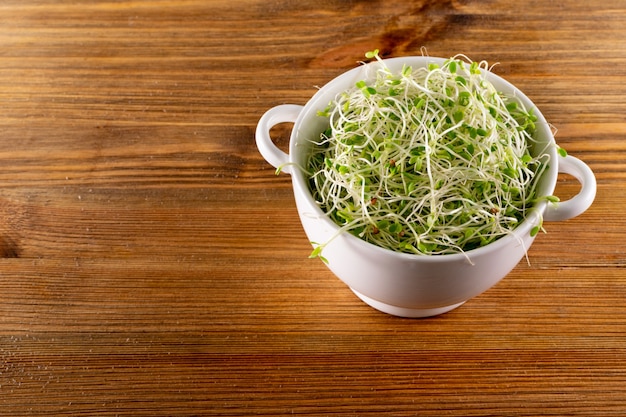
(399, 283)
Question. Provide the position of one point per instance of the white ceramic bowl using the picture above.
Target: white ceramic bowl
(404, 284)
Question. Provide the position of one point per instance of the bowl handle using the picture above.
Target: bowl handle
(284, 113)
(581, 201)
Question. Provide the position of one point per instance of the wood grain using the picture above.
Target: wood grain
(152, 263)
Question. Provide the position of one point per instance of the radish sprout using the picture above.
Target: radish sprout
(428, 161)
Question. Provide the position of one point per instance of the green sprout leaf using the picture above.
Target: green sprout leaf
(371, 54)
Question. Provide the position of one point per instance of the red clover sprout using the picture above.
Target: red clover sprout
(429, 161)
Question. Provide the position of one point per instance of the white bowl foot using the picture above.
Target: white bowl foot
(405, 312)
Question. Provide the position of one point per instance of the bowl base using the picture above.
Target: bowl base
(405, 312)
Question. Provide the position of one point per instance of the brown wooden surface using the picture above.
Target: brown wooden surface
(153, 264)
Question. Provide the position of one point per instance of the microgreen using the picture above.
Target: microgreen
(430, 160)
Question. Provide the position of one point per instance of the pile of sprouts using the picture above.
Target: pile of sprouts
(431, 160)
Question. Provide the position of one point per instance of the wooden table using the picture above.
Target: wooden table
(153, 264)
